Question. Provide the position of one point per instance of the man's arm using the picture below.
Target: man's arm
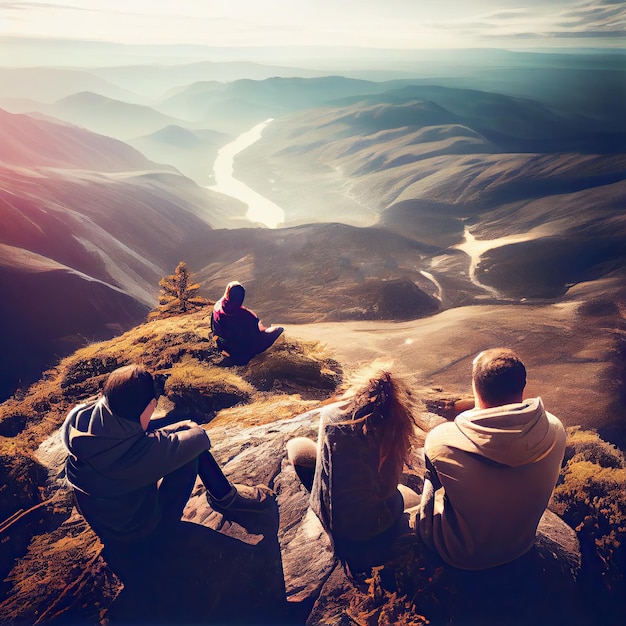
(161, 452)
(431, 474)
(427, 505)
(180, 426)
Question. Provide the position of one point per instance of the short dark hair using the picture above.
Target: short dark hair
(499, 376)
(128, 391)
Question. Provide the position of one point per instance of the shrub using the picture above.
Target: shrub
(200, 389)
(79, 370)
(591, 498)
(586, 445)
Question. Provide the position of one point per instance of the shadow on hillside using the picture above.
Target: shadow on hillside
(194, 575)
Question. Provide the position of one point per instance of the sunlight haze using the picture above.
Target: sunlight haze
(390, 24)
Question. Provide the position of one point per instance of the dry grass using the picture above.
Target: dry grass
(182, 348)
(586, 445)
(264, 411)
(591, 498)
(202, 389)
(45, 567)
(296, 366)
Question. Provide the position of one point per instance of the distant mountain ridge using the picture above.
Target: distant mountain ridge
(30, 142)
(423, 164)
(517, 124)
(110, 117)
(88, 226)
(50, 84)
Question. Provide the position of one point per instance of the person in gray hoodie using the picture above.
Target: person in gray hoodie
(129, 480)
(491, 472)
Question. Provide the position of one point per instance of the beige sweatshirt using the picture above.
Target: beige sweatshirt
(492, 475)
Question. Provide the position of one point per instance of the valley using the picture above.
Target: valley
(390, 200)
(395, 208)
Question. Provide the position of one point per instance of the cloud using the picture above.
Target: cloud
(592, 13)
(394, 23)
(585, 20)
(512, 14)
(611, 34)
(616, 34)
(592, 19)
(27, 6)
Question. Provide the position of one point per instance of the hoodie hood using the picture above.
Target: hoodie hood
(233, 298)
(230, 319)
(513, 435)
(106, 450)
(94, 434)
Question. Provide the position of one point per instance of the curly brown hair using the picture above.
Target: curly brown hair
(382, 408)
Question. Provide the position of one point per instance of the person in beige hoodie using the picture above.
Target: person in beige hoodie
(491, 472)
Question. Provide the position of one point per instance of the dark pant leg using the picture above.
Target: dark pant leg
(266, 338)
(212, 476)
(175, 490)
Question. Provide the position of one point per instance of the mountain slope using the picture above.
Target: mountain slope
(192, 152)
(108, 116)
(53, 310)
(461, 161)
(321, 272)
(516, 124)
(88, 227)
(31, 142)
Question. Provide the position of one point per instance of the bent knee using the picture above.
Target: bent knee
(302, 451)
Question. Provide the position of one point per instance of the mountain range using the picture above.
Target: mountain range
(88, 226)
(434, 206)
(381, 183)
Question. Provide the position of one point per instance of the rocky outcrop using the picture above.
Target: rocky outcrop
(282, 570)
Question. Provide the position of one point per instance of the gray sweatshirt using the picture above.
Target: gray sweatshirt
(114, 465)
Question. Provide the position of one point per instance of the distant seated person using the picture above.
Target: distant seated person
(132, 482)
(490, 473)
(353, 470)
(239, 331)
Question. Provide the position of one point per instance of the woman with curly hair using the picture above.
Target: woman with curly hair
(353, 472)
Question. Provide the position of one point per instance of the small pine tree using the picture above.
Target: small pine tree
(178, 294)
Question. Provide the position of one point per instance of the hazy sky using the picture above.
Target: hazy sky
(376, 23)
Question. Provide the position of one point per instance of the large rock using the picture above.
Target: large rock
(284, 570)
(415, 587)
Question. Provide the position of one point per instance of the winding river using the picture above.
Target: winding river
(475, 248)
(260, 209)
(264, 211)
